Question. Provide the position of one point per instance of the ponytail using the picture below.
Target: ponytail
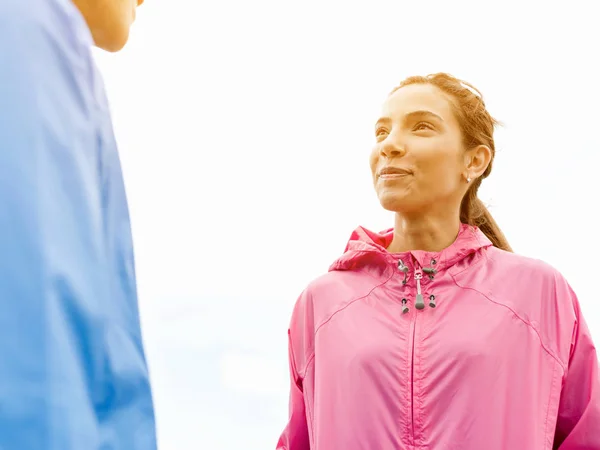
(474, 212)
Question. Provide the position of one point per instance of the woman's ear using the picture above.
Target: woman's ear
(477, 160)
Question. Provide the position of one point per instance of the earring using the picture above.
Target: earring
(468, 179)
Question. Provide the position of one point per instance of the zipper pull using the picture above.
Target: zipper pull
(419, 304)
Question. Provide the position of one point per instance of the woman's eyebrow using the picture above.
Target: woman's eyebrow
(410, 115)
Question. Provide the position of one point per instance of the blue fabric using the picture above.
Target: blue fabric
(73, 374)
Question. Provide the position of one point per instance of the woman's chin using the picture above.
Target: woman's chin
(394, 202)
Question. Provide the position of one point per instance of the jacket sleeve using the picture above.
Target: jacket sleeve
(295, 435)
(578, 424)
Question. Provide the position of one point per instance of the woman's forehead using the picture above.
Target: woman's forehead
(417, 97)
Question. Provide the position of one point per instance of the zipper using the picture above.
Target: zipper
(419, 305)
(412, 377)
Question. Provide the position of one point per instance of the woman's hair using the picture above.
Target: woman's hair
(477, 127)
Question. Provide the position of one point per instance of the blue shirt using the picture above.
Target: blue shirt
(73, 374)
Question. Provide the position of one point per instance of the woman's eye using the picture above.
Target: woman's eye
(423, 126)
(381, 132)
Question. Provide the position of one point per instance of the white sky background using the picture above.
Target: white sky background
(245, 129)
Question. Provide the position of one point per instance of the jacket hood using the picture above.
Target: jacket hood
(365, 248)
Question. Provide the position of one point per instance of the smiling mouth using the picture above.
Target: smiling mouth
(390, 173)
(393, 175)
(392, 178)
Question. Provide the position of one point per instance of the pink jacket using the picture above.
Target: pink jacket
(472, 348)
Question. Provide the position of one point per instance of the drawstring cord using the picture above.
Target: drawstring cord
(419, 303)
(403, 268)
(431, 272)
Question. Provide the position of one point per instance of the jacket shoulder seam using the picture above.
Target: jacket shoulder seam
(518, 316)
(311, 356)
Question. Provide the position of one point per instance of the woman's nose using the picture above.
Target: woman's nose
(391, 149)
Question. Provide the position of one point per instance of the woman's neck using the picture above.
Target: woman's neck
(428, 233)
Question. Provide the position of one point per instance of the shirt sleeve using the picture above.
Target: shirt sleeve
(53, 275)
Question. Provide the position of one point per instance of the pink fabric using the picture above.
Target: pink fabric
(504, 361)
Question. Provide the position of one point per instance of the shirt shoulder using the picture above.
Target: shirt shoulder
(40, 38)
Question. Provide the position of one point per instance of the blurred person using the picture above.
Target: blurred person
(434, 334)
(73, 372)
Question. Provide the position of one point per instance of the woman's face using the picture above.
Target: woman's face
(109, 20)
(419, 144)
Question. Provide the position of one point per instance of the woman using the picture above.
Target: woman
(434, 335)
